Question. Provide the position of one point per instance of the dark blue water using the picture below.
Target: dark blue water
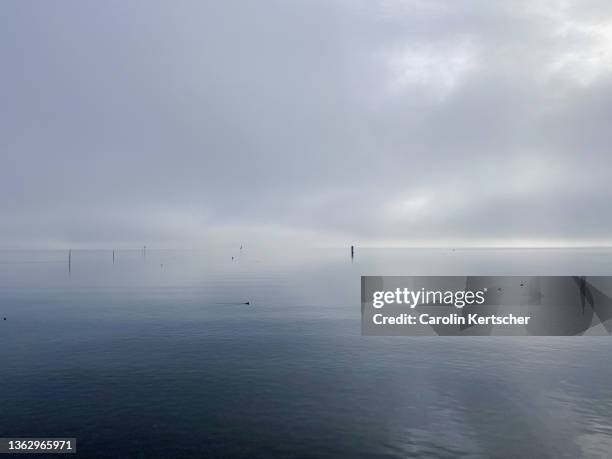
(155, 357)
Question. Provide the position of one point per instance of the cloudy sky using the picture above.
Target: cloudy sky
(185, 124)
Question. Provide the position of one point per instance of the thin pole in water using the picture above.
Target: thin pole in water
(113, 257)
(352, 251)
(69, 260)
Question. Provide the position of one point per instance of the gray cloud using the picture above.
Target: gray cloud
(193, 123)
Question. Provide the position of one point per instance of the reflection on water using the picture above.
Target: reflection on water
(157, 357)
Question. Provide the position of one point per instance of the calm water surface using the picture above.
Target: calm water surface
(156, 357)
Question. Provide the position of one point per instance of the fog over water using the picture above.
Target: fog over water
(253, 132)
(186, 124)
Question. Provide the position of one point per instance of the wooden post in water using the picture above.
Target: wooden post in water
(69, 260)
(352, 251)
(113, 257)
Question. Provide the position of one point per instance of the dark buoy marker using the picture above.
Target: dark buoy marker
(235, 303)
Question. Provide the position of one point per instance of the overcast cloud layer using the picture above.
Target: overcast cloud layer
(182, 124)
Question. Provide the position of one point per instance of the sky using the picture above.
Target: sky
(318, 123)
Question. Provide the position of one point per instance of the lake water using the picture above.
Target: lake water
(155, 356)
